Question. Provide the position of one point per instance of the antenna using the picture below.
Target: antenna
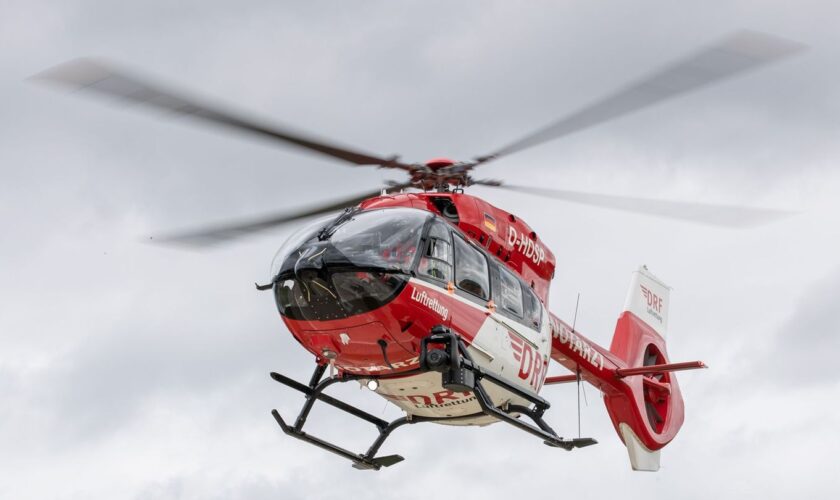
(577, 372)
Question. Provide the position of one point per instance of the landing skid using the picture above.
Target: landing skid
(459, 373)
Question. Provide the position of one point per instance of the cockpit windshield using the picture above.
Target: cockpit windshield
(298, 238)
(347, 265)
(385, 239)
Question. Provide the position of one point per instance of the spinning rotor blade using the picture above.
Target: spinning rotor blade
(736, 54)
(715, 215)
(93, 76)
(223, 233)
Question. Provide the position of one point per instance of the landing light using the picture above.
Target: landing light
(372, 384)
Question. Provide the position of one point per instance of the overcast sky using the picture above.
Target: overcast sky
(130, 370)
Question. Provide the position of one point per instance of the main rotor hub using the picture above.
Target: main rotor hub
(438, 163)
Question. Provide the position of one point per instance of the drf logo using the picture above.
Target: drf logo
(653, 301)
(531, 365)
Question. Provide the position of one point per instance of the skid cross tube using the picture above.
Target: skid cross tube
(314, 392)
(312, 395)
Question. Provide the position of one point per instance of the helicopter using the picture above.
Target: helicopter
(437, 300)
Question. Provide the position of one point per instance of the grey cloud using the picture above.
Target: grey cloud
(803, 350)
(255, 488)
(141, 372)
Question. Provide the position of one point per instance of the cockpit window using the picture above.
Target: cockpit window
(471, 271)
(386, 239)
(510, 293)
(533, 308)
(437, 261)
(343, 294)
(351, 265)
(298, 238)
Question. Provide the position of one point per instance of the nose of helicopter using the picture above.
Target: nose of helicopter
(355, 265)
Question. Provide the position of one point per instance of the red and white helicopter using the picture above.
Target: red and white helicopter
(436, 300)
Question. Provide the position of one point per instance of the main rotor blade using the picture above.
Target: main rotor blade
(224, 233)
(100, 78)
(715, 215)
(736, 54)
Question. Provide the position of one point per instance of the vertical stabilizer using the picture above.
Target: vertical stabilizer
(648, 411)
(649, 299)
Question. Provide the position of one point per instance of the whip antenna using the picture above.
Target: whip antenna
(577, 372)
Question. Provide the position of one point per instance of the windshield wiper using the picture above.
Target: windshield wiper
(330, 228)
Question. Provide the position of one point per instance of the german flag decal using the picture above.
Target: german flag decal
(489, 222)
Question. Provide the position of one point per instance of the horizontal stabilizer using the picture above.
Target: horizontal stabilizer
(666, 367)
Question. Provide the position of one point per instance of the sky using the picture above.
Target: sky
(140, 371)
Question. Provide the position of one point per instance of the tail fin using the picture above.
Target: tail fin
(648, 414)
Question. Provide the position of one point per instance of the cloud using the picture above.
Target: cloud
(802, 351)
(130, 370)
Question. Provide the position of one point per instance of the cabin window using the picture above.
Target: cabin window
(533, 308)
(510, 293)
(471, 271)
(437, 260)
